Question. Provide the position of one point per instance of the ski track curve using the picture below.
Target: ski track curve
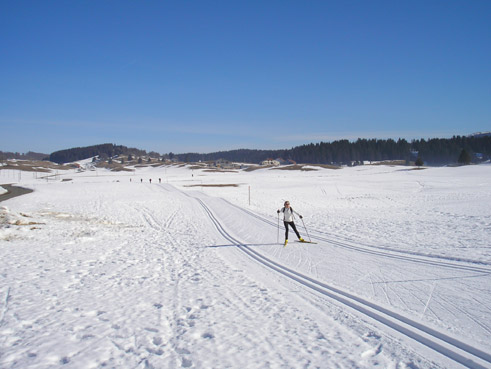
(447, 346)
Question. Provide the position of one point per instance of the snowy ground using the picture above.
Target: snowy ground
(110, 270)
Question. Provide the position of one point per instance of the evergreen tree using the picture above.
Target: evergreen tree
(464, 157)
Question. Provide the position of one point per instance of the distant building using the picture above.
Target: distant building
(286, 162)
(224, 164)
(270, 162)
(282, 161)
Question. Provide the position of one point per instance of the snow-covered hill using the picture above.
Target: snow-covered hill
(112, 270)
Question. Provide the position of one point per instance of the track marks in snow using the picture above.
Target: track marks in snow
(152, 294)
(5, 306)
(458, 351)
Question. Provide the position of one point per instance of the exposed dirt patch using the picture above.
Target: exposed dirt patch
(220, 171)
(32, 166)
(295, 167)
(389, 162)
(214, 185)
(256, 167)
(197, 167)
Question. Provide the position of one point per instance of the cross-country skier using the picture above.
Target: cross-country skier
(288, 220)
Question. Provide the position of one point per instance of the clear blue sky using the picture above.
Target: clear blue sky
(205, 76)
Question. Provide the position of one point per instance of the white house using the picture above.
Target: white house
(270, 162)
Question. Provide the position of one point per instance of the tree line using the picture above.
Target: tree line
(435, 151)
(431, 151)
(104, 151)
(30, 155)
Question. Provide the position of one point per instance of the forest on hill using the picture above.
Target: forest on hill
(432, 151)
(30, 155)
(436, 151)
(103, 151)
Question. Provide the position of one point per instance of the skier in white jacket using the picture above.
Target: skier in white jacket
(288, 220)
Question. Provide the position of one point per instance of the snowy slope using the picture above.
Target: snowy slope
(104, 271)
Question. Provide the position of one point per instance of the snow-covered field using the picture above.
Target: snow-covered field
(110, 270)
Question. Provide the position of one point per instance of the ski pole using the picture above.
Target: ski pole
(278, 235)
(306, 229)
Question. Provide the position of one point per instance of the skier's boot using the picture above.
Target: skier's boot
(286, 241)
(301, 239)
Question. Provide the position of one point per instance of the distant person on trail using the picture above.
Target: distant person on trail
(288, 220)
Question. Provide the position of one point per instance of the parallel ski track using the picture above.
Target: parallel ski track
(447, 346)
(406, 257)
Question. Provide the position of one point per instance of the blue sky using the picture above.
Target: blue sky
(205, 76)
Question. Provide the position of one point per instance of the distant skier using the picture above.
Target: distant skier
(288, 220)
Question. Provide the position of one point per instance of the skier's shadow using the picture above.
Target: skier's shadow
(242, 244)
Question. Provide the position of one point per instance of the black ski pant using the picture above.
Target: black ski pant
(291, 224)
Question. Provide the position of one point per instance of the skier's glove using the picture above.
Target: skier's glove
(301, 217)
(278, 211)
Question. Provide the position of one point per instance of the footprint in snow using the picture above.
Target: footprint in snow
(186, 363)
(372, 352)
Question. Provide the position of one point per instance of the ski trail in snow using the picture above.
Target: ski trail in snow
(5, 306)
(136, 276)
(383, 251)
(429, 299)
(438, 341)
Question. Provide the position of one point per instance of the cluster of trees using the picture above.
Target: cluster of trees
(344, 151)
(103, 151)
(432, 152)
(241, 155)
(30, 155)
(439, 151)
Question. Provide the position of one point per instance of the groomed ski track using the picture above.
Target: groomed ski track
(139, 275)
(405, 256)
(449, 347)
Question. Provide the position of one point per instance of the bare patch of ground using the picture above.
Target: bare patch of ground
(220, 171)
(32, 166)
(305, 167)
(389, 162)
(115, 167)
(214, 185)
(256, 167)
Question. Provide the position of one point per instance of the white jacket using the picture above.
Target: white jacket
(288, 214)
